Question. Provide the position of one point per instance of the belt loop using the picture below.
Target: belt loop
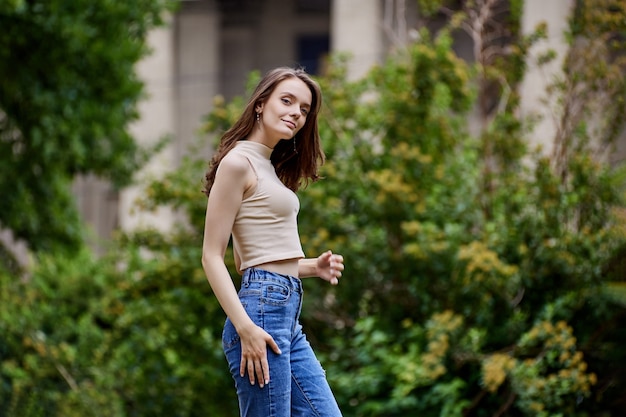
(245, 280)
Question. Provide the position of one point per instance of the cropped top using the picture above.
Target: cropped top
(266, 226)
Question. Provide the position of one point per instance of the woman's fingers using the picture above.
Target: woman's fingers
(251, 371)
(263, 372)
(273, 345)
(254, 360)
(330, 267)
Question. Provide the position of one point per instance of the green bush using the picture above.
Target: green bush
(127, 335)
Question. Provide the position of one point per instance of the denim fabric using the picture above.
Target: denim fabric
(298, 386)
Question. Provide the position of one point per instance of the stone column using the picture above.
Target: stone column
(533, 89)
(197, 69)
(356, 28)
(156, 120)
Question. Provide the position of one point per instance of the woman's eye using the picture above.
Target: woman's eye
(304, 111)
(286, 101)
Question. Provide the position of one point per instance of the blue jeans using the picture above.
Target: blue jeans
(298, 385)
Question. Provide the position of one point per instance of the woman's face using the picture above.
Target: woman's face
(285, 111)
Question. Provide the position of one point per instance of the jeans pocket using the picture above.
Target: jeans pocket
(276, 294)
(229, 335)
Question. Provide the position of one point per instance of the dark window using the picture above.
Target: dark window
(312, 49)
(313, 6)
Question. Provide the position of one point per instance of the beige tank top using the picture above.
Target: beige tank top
(266, 226)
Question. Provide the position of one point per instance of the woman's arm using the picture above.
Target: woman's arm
(327, 266)
(232, 180)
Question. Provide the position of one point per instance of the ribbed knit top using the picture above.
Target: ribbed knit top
(266, 226)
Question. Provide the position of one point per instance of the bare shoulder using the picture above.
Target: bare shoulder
(234, 164)
(234, 173)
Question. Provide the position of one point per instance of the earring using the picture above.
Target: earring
(294, 145)
(258, 118)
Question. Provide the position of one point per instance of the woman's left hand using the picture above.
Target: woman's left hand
(329, 267)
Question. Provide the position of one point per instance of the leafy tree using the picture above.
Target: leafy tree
(68, 91)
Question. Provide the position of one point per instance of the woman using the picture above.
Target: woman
(262, 160)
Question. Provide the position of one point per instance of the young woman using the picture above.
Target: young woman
(261, 162)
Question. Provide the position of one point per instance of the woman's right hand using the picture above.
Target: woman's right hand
(254, 342)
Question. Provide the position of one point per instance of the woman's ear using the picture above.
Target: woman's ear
(258, 108)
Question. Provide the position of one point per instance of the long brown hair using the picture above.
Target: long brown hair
(291, 167)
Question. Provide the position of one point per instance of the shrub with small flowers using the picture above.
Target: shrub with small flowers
(550, 376)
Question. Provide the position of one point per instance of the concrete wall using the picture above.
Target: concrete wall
(262, 37)
(211, 46)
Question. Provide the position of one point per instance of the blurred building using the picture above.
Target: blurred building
(210, 47)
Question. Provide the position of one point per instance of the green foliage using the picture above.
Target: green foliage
(48, 339)
(426, 236)
(68, 91)
(127, 335)
(480, 279)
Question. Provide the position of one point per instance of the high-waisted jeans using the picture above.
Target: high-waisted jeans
(298, 386)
